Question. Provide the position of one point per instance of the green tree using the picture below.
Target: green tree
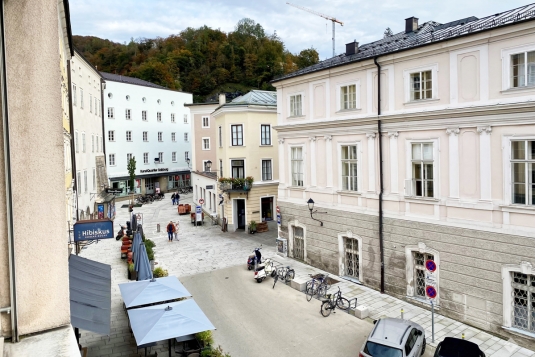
(307, 58)
(132, 172)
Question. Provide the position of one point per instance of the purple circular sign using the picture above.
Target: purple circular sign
(430, 292)
(430, 265)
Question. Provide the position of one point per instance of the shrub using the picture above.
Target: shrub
(205, 337)
(149, 243)
(214, 352)
(160, 272)
(150, 253)
(131, 267)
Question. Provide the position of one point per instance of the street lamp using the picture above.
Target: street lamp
(209, 165)
(310, 203)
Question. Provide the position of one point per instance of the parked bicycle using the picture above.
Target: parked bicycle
(284, 273)
(333, 301)
(317, 286)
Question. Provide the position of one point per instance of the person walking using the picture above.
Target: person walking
(177, 225)
(177, 198)
(173, 199)
(170, 229)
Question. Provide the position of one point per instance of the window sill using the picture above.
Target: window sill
(519, 332)
(517, 89)
(416, 199)
(421, 101)
(344, 111)
(349, 193)
(300, 188)
(269, 146)
(296, 117)
(518, 208)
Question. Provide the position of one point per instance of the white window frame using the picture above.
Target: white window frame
(409, 270)
(128, 114)
(342, 250)
(186, 137)
(160, 156)
(83, 142)
(238, 159)
(173, 118)
(128, 135)
(145, 136)
(146, 158)
(508, 167)
(112, 132)
(506, 65)
(242, 135)
(173, 137)
(74, 94)
(207, 118)
(303, 155)
(507, 270)
(409, 193)
(94, 179)
(79, 182)
(339, 86)
(262, 169)
(202, 143)
(76, 144)
(358, 144)
(160, 136)
(111, 160)
(111, 113)
(92, 142)
(96, 106)
(99, 109)
(289, 107)
(292, 224)
(173, 156)
(128, 157)
(144, 115)
(434, 84)
(97, 143)
(185, 119)
(81, 98)
(159, 117)
(90, 104)
(270, 135)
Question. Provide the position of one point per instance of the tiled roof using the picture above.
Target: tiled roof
(427, 33)
(130, 80)
(256, 97)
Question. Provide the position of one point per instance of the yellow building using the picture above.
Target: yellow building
(247, 159)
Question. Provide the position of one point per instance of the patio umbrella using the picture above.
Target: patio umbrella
(144, 271)
(137, 251)
(168, 321)
(135, 243)
(146, 292)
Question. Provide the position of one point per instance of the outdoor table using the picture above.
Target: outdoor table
(185, 350)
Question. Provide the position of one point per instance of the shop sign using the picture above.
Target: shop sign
(114, 190)
(153, 170)
(209, 187)
(92, 230)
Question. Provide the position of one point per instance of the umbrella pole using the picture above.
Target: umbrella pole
(169, 348)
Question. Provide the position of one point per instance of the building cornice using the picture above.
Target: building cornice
(245, 109)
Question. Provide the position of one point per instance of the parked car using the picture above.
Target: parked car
(394, 338)
(455, 347)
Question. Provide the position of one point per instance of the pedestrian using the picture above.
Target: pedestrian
(170, 229)
(173, 199)
(177, 225)
(177, 198)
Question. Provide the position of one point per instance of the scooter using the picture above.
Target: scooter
(264, 270)
(255, 258)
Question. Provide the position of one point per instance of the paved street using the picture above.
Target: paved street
(200, 260)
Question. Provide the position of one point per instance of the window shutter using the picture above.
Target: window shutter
(408, 187)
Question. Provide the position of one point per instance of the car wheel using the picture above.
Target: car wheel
(423, 347)
(249, 267)
(258, 281)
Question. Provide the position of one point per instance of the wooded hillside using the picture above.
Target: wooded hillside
(201, 61)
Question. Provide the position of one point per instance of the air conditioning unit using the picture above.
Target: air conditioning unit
(157, 160)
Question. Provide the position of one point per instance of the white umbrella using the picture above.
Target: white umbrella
(144, 292)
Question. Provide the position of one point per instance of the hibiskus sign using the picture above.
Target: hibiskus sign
(92, 230)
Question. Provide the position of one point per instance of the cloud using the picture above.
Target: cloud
(364, 20)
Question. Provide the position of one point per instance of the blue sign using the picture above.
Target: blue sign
(92, 230)
(198, 213)
(279, 219)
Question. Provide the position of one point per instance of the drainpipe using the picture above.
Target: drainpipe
(73, 154)
(381, 244)
(9, 191)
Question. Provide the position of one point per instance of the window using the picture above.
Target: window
(296, 105)
(99, 109)
(81, 98)
(523, 69)
(523, 175)
(111, 159)
(186, 155)
(206, 143)
(221, 168)
(96, 143)
(101, 144)
(160, 136)
(238, 168)
(160, 157)
(145, 157)
(159, 116)
(422, 170)
(265, 137)
(411, 341)
(237, 135)
(76, 141)
(79, 182)
(172, 117)
(127, 114)
(523, 301)
(96, 106)
(298, 243)
(205, 166)
(186, 137)
(144, 115)
(90, 103)
(111, 135)
(128, 135)
(297, 166)
(111, 113)
(185, 118)
(421, 85)
(352, 257)
(205, 122)
(83, 142)
(128, 158)
(173, 136)
(74, 94)
(92, 143)
(173, 156)
(266, 170)
(419, 273)
(149, 185)
(349, 168)
(348, 97)
(94, 179)
(220, 137)
(145, 136)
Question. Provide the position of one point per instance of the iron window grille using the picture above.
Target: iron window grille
(419, 273)
(523, 301)
(298, 243)
(352, 258)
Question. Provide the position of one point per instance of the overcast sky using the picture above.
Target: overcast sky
(364, 20)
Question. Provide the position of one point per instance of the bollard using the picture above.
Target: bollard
(158, 228)
(462, 336)
(402, 314)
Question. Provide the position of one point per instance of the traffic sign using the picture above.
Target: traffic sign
(201, 201)
(430, 265)
(279, 219)
(431, 292)
(278, 209)
(198, 213)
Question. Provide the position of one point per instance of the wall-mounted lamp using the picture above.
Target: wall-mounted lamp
(209, 166)
(188, 160)
(311, 208)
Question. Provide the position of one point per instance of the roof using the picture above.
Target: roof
(455, 347)
(79, 54)
(427, 33)
(256, 97)
(129, 80)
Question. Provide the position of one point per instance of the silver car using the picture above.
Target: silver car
(394, 338)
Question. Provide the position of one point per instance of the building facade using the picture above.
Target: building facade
(88, 131)
(418, 150)
(151, 124)
(247, 148)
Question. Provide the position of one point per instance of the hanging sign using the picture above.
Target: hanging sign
(92, 230)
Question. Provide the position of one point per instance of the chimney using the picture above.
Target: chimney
(222, 98)
(411, 24)
(352, 48)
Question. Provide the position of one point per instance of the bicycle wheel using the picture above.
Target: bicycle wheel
(290, 275)
(326, 308)
(310, 292)
(322, 291)
(342, 303)
(275, 280)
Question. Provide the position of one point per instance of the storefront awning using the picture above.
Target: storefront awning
(90, 295)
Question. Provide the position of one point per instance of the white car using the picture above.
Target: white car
(394, 338)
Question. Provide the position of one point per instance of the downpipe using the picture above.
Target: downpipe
(381, 243)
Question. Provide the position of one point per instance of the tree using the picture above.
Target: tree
(132, 172)
(307, 58)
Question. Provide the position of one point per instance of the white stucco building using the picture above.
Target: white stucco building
(150, 123)
(86, 98)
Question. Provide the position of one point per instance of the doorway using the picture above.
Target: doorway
(240, 214)
(267, 208)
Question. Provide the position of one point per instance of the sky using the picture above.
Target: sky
(364, 20)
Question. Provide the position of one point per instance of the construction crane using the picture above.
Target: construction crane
(321, 15)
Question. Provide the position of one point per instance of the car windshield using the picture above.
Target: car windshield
(377, 350)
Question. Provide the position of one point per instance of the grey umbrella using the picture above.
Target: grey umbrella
(144, 271)
(135, 243)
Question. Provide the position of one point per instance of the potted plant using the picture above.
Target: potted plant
(252, 227)
(132, 274)
(160, 272)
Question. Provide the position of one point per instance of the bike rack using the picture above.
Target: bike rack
(351, 301)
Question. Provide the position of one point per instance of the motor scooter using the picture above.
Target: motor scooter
(255, 258)
(264, 270)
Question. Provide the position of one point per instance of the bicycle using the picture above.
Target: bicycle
(320, 289)
(333, 301)
(284, 273)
